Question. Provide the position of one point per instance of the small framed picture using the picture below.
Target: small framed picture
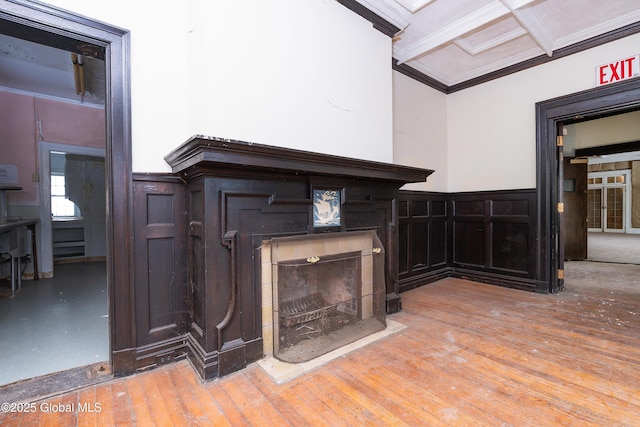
(327, 205)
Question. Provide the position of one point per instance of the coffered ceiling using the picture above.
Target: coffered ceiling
(457, 41)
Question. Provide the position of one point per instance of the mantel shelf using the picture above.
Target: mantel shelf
(201, 152)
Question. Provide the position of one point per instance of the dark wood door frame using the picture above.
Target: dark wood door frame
(54, 27)
(592, 103)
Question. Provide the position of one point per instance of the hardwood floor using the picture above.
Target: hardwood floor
(472, 354)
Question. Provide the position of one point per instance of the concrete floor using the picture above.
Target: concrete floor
(614, 247)
(603, 278)
(55, 324)
(612, 270)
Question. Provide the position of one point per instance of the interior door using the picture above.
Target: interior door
(575, 210)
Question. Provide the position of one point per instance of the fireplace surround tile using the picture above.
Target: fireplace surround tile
(364, 306)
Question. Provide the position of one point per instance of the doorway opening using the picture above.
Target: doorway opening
(601, 190)
(52, 27)
(63, 317)
(551, 116)
(600, 224)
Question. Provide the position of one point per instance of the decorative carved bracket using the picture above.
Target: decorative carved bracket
(229, 241)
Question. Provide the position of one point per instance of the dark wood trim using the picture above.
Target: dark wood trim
(624, 147)
(161, 352)
(593, 103)
(380, 24)
(504, 280)
(238, 157)
(58, 28)
(596, 41)
(125, 360)
(419, 77)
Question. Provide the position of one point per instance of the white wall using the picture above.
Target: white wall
(606, 131)
(420, 130)
(491, 132)
(309, 74)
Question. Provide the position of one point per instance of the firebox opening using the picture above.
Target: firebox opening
(325, 301)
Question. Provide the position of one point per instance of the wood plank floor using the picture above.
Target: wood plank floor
(472, 354)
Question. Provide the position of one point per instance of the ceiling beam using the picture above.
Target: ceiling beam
(536, 28)
(413, 5)
(489, 13)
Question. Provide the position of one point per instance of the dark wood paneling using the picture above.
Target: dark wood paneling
(487, 236)
(469, 243)
(230, 218)
(422, 238)
(493, 236)
(162, 303)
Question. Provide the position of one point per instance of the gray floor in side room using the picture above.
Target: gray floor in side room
(55, 324)
(614, 247)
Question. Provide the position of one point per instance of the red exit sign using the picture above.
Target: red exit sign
(622, 69)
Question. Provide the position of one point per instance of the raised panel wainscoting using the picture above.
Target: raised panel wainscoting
(184, 289)
(423, 238)
(486, 236)
(162, 302)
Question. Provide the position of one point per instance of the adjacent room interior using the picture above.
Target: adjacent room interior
(602, 199)
(56, 310)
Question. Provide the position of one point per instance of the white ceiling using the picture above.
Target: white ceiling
(449, 41)
(453, 41)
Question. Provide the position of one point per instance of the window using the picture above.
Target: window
(60, 205)
(609, 201)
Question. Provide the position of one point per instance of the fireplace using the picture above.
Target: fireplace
(246, 205)
(323, 292)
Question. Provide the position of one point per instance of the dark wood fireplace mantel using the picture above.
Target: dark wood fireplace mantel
(210, 152)
(240, 194)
